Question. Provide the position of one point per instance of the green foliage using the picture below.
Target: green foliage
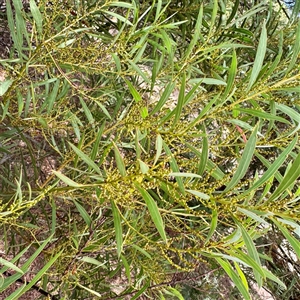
(149, 149)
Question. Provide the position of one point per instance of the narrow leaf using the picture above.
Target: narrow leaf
(22, 290)
(289, 111)
(10, 265)
(118, 228)
(174, 167)
(12, 279)
(126, 267)
(242, 276)
(252, 252)
(66, 180)
(292, 240)
(252, 215)
(289, 179)
(87, 111)
(141, 291)
(135, 94)
(119, 161)
(231, 74)
(272, 277)
(245, 160)
(86, 159)
(196, 34)
(262, 114)
(199, 194)
(119, 17)
(91, 260)
(176, 293)
(96, 144)
(164, 97)
(37, 16)
(234, 277)
(296, 46)
(158, 148)
(204, 154)
(182, 174)
(84, 214)
(4, 86)
(122, 4)
(154, 212)
(50, 99)
(259, 58)
(213, 225)
(141, 250)
(274, 167)
(209, 81)
(143, 167)
(180, 101)
(138, 70)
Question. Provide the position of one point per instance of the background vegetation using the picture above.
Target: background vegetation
(149, 149)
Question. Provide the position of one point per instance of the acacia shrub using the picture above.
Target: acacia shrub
(149, 147)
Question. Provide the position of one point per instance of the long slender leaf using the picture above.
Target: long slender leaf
(84, 214)
(262, 114)
(253, 215)
(87, 111)
(119, 161)
(197, 33)
(4, 86)
(142, 250)
(95, 149)
(174, 292)
(272, 277)
(289, 179)
(242, 276)
(274, 167)
(252, 252)
(10, 265)
(295, 49)
(292, 113)
(10, 280)
(259, 58)
(164, 97)
(204, 154)
(180, 102)
(182, 174)
(231, 75)
(141, 291)
(37, 16)
(174, 167)
(118, 228)
(158, 148)
(91, 260)
(240, 257)
(119, 17)
(22, 290)
(213, 225)
(245, 160)
(292, 240)
(136, 96)
(154, 212)
(235, 278)
(199, 194)
(15, 259)
(86, 159)
(66, 179)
